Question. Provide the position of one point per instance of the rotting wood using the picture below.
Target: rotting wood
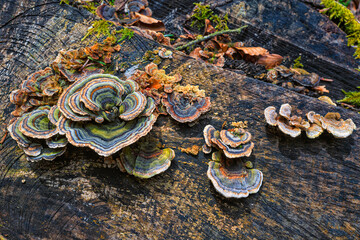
(310, 189)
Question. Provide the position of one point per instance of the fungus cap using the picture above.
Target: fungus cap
(47, 154)
(285, 110)
(271, 115)
(209, 133)
(233, 180)
(339, 128)
(164, 53)
(299, 122)
(206, 149)
(288, 129)
(106, 12)
(234, 140)
(146, 160)
(132, 106)
(183, 109)
(101, 94)
(108, 137)
(54, 114)
(240, 151)
(314, 131)
(34, 149)
(16, 134)
(36, 124)
(95, 97)
(56, 141)
(314, 117)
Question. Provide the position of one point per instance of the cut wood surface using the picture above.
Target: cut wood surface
(310, 188)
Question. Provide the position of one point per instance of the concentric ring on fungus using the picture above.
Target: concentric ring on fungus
(145, 160)
(234, 140)
(184, 110)
(234, 181)
(37, 125)
(85, 95)
(240, 151)
(106, 139)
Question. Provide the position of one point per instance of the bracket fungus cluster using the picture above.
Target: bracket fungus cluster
(227, 172)
(73, 101)
(104, 113)
(314, 127)
(40, 88)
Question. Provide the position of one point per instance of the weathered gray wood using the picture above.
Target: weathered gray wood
(310, 188)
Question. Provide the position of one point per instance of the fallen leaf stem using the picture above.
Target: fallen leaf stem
(237, 30)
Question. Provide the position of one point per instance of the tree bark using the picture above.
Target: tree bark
(310, 188)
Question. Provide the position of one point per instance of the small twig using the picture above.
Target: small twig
(326, 79)
(83, 66)
(4, 137)
(238, 30)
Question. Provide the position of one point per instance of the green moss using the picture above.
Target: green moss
(351, 98)
(202, 12)
(91, 7)
(157, 60)
(346, 21)
(220, 23)
(99, 28)
(345, 2)
(297, 63)
(65, 1)
(126, 33)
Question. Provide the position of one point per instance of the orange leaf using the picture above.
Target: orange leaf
(252, 51)
(270, 60)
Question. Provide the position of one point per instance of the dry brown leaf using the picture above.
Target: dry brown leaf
(150, 23)
(196, 53)
(230, 52)
(208, 27)
(270, 60)
(220, 62)
(252, 51)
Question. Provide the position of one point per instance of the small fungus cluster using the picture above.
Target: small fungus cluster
(139, 15)
(314, 127)
(37, 136)
(183, 103)
(227, 172)
(296, 79)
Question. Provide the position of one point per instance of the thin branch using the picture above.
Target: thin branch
(237, 30)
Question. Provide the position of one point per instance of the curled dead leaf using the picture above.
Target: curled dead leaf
(270, 60)
(145, 22)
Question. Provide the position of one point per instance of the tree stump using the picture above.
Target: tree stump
(310, 188)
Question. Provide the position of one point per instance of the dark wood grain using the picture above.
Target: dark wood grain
(310, 188)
